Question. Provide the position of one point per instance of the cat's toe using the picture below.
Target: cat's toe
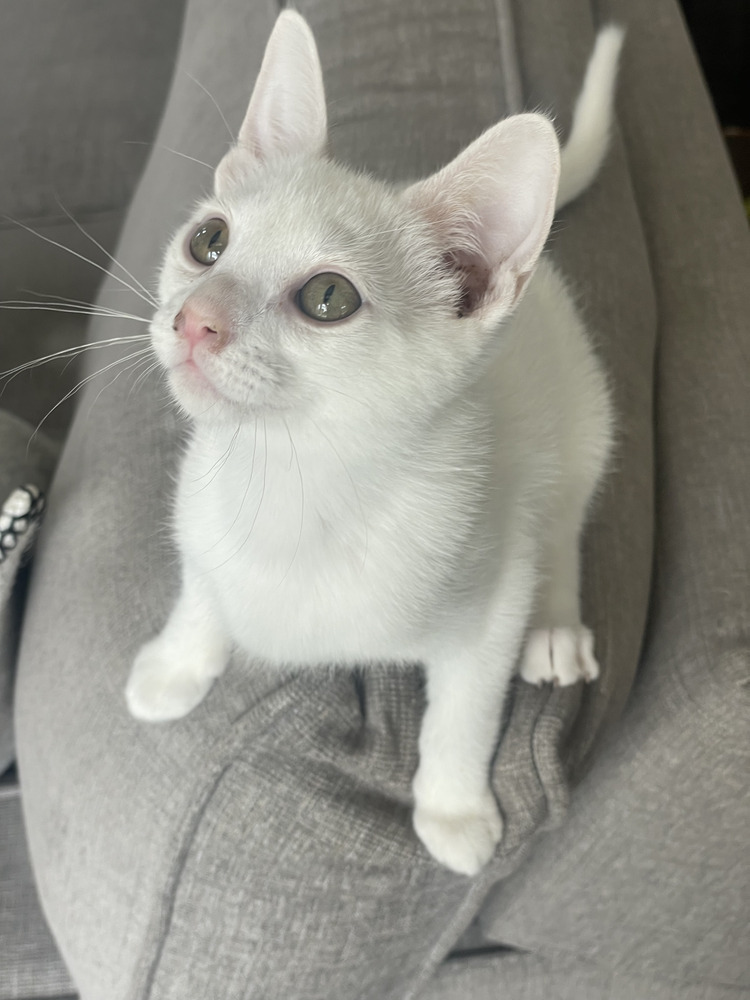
(463, 842)
(559, 656)
(160, 690)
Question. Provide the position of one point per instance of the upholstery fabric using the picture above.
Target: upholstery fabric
(515, 975)
(30, 966)
(83, 85)
(77, 130)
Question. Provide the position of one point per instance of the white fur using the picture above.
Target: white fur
(407, 484)
(588, 142)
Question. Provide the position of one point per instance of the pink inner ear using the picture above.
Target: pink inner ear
(474, 277)
(492, 208)
(287, 111)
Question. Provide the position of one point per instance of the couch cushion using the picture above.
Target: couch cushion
(31, 967)
(527, 976)
(77, 130)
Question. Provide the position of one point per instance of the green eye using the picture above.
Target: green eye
(209, 241)
(328, 297)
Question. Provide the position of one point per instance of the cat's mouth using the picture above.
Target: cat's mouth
(194, 389)
(189, 369)
(192, 366)
(198, 394)
(206, 384)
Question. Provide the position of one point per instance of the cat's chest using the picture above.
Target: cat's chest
(293, 614)
(301, 575)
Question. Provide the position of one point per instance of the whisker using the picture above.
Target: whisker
(131, 367)
(302, 505)
(65, 307)
(220, 462)
(250, 477)
(346, 395)
(246, 539)
(248, 484)
(263, 488)
(82, 383)
(145, 374)
(64, 298)
(345, 467)
(106, 253)
(71, 352)
(213, 100)
(147, 298)
(169, 149)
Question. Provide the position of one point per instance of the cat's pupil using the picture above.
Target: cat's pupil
(328, 297)
(209, 241)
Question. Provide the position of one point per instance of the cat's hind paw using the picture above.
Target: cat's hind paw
(463, 842)
(163, 687)
(559, 656)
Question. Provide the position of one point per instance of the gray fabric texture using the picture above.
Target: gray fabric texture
(518, 976)
(262, 847)
(75, 135)
(74, 130)
(29, 264)
(26, 458)
(30, 967)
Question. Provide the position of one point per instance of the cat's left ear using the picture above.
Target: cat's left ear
(491, 209)
(287, 110)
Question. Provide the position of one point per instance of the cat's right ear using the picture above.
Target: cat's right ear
(287, 111)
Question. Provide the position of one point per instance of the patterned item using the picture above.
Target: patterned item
(23, 509)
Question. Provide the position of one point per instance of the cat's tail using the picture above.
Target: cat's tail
(583, 153)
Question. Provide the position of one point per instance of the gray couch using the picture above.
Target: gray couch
(262, 848)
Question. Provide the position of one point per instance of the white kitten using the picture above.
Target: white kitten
(401, 448)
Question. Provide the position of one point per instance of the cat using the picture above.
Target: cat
(404, 427)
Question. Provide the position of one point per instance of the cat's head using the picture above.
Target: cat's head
(301, 287)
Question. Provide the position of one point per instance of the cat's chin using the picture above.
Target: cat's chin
(200, 399)
(197, 395)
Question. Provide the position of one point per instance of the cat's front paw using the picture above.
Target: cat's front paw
(559, 656)
(165, 684)
(462, 841)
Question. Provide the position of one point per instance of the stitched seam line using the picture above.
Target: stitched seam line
(175, 881)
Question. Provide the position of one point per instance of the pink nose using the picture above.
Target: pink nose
(196, 325)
